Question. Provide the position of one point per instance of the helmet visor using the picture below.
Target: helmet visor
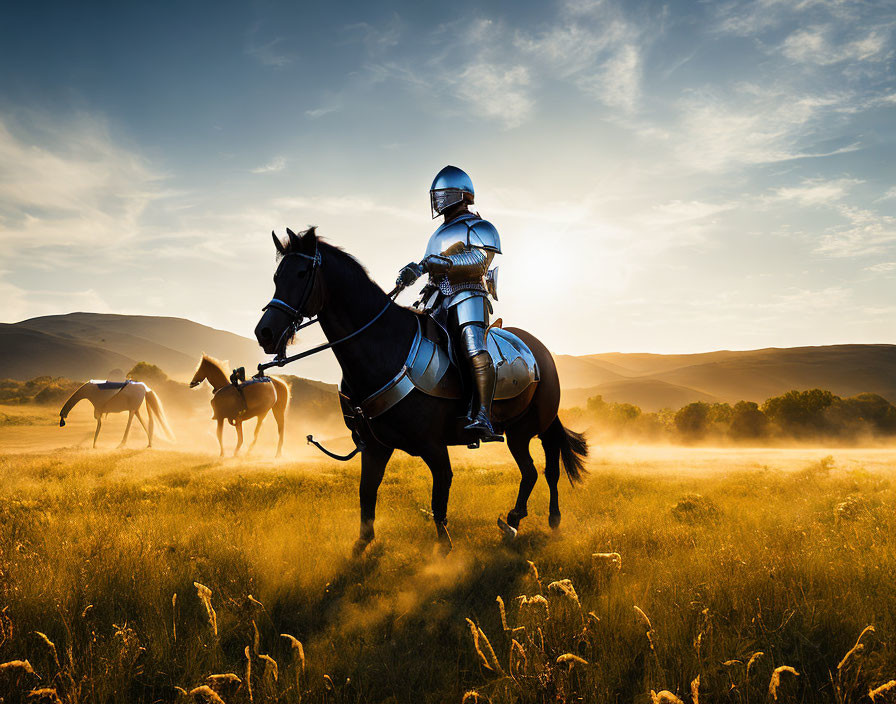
(444, 198)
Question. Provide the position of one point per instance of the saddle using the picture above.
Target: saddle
(109, 385)
(430, 367)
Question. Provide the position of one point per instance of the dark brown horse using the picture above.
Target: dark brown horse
(315, 278)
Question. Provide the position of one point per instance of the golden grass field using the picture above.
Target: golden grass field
(788, 554)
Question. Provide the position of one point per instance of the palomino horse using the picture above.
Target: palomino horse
(371, 337)
(258, 397)
(117, 397)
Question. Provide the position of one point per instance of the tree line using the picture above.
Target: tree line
(808, 415)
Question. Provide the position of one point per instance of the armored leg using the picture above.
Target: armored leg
(484, 378)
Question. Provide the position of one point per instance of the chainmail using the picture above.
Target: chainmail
(449, 289)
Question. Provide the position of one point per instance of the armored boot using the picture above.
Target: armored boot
(484, 379)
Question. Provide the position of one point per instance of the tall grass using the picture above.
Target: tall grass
(637, 599)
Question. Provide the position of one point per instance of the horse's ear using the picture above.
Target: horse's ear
(309, 240)
(294, 241)
(278, 244)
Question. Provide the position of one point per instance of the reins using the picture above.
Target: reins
(296, 316)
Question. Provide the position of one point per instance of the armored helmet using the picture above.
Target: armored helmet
(448, 188)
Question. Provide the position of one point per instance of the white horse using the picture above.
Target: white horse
(117, 397)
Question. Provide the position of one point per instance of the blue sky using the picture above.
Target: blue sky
(666, 177)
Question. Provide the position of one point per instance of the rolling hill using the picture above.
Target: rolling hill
(649, 394)
(90, 344)
(730, 376)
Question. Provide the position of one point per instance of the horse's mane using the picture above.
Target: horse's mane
(214, 362)
(356, 272)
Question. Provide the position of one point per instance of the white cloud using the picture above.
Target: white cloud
(866, 233)
(496, 92)
(816, 45)
(315, 113)
(815, 191)
(274, 165)
(881, 267)
(267, 53)
(596, 48)
(71, 184)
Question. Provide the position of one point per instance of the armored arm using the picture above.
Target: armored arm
(459, 263)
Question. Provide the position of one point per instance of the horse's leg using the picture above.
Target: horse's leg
(99, 424)
(279, 416)
(220, 433)
(552, 475)
(127, 429)
(440, 465)
(519, 448)
(145, 429)
(374, 459)
(257, 430)
(239, 437)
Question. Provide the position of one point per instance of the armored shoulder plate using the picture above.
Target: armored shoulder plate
(468, 230)
(483, 234)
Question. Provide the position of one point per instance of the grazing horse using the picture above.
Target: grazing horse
(371, 337)
(117, 397)
(253, 399)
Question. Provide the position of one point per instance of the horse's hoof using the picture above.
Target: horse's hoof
(359, 547)
(508, 531)
(514, 517)
(554, 520)
(445, 545)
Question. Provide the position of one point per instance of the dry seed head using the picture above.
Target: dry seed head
(857, 649)
(886, 688)
(22, 667)
(226, 678)
(47, 695)
(328, 683)
(249, 673)
(471, 697)
(252, 600)
(50, 644)
(534, 571)
(776, 679)
(270, 666)
(503, 614)
(644, 618)
(695, 690)
(297, 650)
(571, 659)
(753, 658)
(484, 648)
(536, 606)
(564, 588)
(612, 560)
(664, 697)
(516, 648)
(204, 693)
(205, 596)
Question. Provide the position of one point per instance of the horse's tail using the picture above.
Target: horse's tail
(573, 449)
(154, 407)
(72, 400)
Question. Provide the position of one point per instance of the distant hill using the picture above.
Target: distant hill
(730, 376)
(648, 394)
(26, 353)
(90, 345)
(81, 345)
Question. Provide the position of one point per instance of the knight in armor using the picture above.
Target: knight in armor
(457, 260)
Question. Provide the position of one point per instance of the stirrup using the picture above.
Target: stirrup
(483, 431)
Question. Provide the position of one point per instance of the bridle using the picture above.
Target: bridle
(296, 316)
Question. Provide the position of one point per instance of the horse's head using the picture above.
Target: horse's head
(295, 291)
(206, 368)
